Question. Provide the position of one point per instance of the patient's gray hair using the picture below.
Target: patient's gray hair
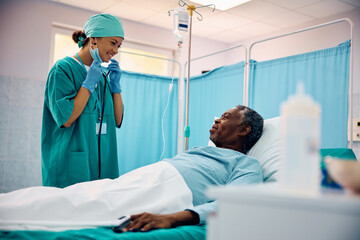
(253, 119)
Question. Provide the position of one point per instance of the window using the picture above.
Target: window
(137, 63)
(62, 44)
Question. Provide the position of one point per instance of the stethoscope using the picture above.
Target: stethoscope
(101, 117)
(101, 121)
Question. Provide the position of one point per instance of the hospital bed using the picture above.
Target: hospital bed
(266, 151)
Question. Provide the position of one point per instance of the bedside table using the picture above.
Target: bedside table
(265, 212)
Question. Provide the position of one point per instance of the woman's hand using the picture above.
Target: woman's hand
(115, 75)
(93, 76)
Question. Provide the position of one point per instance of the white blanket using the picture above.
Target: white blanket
(157, 188)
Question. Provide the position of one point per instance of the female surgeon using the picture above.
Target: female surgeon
(83, 107)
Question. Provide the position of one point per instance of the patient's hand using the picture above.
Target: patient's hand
(147, 221)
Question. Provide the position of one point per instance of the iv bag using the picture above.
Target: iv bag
(181, 23)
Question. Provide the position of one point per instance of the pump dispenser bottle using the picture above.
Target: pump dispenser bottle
(300, 135)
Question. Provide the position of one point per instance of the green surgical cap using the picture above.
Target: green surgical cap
(103, 25)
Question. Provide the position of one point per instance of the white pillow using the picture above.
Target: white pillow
(267, 149)
(210, 143)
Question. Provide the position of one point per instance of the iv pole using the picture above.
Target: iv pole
(191, 9)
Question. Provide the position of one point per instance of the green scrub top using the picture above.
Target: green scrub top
(70, 155)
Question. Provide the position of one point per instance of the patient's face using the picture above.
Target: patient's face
(225, 130)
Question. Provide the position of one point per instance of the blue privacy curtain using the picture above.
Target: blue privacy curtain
(211, 94)
(325, 74)
(140, 137)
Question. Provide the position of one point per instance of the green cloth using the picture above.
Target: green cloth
(342, 153)
(70, 155)
(103, 25)
(179, 233)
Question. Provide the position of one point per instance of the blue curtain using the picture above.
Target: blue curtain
(140, 139)
(325, 74)
(211, 94)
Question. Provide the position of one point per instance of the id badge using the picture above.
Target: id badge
(103, 128)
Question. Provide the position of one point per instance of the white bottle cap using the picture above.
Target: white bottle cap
(300, 104)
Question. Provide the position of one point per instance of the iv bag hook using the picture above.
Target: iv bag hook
(200, 17)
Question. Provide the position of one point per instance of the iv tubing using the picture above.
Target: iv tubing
(163, 116)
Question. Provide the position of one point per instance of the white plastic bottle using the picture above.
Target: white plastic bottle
(300, 133)
(181, 23)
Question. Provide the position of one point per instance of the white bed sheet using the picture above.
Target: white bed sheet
(157, 188)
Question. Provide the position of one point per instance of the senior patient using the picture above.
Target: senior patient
(234, 134)
(172, 189)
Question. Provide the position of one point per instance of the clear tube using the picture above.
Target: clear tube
(163, 116)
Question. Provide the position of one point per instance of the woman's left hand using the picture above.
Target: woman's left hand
(115, 75)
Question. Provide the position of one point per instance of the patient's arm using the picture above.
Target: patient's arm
(148, 221)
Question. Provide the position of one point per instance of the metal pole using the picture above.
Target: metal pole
(191, 8)
(350, 90)
(246, 64)
(351, 83)
(246, 80)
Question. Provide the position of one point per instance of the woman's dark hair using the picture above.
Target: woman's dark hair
(256, 122)
(80, 38)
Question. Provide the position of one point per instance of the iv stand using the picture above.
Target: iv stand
(191, 9)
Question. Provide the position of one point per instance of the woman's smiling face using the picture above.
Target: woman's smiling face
(108, 47)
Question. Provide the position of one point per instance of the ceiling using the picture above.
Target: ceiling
(248, 20)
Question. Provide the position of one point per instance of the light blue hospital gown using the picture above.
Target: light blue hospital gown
(205, 166)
